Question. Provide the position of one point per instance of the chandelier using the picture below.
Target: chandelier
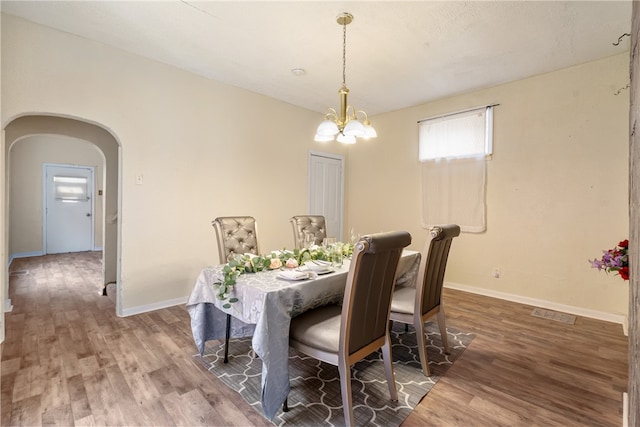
(350, 123)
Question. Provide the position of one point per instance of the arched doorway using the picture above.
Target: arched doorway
(30, 125)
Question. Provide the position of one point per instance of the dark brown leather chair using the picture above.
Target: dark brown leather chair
(302, 224)
(235, 235)
(343, 335)
(414, 306)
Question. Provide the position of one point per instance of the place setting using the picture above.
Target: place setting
(315, 260)
(309, 270)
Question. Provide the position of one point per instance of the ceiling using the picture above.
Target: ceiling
(399, 54)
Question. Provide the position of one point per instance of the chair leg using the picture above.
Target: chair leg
(421, 341)
(388, 368)
(226, 339)
(345, 388)
(443, 330)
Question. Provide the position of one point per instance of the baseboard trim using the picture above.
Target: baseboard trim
(131, 311)
(23, 255)
(579, 311)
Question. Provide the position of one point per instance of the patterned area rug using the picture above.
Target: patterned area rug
(315, 398)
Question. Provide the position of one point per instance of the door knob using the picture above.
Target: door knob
(88, 214)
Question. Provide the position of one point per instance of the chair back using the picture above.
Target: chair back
(432, 267)
(235, 235)
(370, 284)
(302, 224)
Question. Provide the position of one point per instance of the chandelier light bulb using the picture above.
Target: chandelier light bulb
(346, 139)
(328, 128)
(369, 131)
(354, 128)
(321, 138)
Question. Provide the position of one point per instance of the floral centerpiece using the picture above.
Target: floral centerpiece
(616, 260)
(249, 263)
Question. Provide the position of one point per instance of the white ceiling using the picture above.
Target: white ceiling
(399, 54)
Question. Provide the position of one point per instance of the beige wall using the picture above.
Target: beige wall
(26, 159)
(556, 187)
(204, 149)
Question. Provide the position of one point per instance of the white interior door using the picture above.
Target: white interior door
(68, 209)
(326, 190)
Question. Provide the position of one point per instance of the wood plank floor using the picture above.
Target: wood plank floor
(69, 360)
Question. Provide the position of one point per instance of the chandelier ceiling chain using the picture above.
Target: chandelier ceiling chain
(346, 125)
(344, 54)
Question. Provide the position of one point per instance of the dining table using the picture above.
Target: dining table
(265, 305)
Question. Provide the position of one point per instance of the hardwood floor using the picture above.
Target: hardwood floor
(69, 360)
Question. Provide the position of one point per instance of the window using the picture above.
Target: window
(457, 135)
(453, 150)
(70, 189)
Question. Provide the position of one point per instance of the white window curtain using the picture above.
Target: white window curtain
(453, 154)
(453, 193)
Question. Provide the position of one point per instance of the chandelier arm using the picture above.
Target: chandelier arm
(366, 117)
(352, 115)
(331, 114)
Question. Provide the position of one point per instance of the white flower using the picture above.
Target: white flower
(275, 263)
(291, 263)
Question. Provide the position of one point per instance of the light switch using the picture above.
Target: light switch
(139, 179)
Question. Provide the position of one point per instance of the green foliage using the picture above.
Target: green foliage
(242, 264)
(314, 253)
(236, 266)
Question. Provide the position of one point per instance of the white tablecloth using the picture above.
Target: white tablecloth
(264, 310)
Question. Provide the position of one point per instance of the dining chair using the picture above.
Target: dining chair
(343, 335)
(414, 305)
(235, 235)
(302, 224)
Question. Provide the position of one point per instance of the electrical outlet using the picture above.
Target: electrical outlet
(496, 272)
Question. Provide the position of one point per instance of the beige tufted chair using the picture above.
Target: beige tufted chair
(344, 334)
(308, 224)
(414, 306)
(236, 235)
